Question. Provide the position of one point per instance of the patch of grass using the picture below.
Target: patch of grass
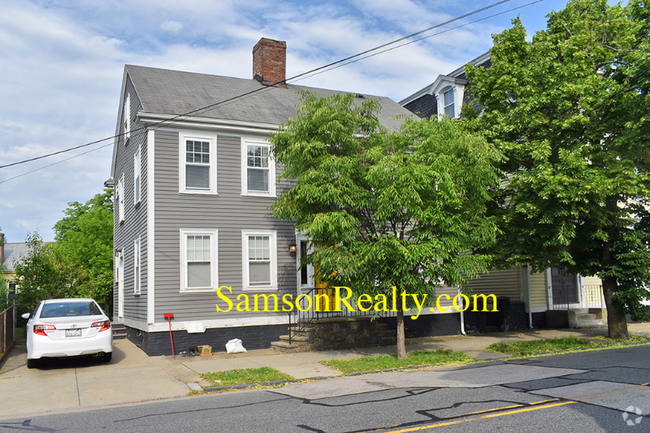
(386, 362)
(634, 339)
(244, 376)
(523, 348)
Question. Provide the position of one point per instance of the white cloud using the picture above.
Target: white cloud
(172, 26)
(62, 63)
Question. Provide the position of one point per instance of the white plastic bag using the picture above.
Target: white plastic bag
(235, 346)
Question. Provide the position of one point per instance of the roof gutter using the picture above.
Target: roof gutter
(171, 120)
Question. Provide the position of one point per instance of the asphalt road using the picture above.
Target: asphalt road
(600, 391)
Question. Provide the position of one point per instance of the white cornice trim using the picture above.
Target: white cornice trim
(220, 125)
(151, 214)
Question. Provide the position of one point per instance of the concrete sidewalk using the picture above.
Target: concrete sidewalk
(132, 376)
(307, 365)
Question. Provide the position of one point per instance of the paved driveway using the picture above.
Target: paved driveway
(61, 385)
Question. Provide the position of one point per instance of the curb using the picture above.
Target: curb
(354, 373)
(390, 370)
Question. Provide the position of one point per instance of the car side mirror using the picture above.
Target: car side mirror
(25, 316)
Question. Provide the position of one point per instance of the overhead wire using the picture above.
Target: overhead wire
(420, 39)
(210, 106)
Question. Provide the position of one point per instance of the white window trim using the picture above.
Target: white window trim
(213, 163)
(120, 199)
(137, 267)
(214, 256)
(274, 260)
(137, 176)
(300, 237)
(442, 84)
(245, 141)
(120, 283)
(116, 265)
(127, 119)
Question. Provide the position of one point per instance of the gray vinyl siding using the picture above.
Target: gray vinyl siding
(135, 216)
(229, 213)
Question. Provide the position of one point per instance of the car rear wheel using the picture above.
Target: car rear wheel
(106, 357)
(32, 363)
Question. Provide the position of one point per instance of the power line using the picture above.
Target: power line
(54, 163)
(304, 74)
(418, 40)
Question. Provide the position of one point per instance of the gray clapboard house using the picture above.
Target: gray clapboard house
(193, 181)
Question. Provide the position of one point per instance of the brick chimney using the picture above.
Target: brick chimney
(270, 62)
(2, 248)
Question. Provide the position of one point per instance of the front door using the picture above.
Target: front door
(565, 288)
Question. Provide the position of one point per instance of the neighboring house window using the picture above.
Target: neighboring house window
(450, 110)
(258, 169)
(137, 184)
(126, 115)
(198, 168)
(259, 259)
(120, 198)
(137, 275)
(199, 269)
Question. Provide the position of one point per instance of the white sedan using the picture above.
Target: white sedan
(68, 327)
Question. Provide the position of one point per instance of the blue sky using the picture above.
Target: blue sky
(61, 64)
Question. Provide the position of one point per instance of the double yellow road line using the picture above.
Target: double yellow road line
(521, 408)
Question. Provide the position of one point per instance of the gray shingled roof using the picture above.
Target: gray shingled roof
(13, 253)
(163, 91)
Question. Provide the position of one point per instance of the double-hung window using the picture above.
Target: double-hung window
(450, 110)
(126, 118)
(198, 164)
(258, 168)
(199, 260)
(120, 198)
(137, 274)
(137, 171)
(259, 259)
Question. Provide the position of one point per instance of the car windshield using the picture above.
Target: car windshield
(70, 309)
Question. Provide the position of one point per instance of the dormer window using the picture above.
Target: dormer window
(450, 110)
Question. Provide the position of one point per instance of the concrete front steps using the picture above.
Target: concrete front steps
(119, 331)
(335, 333)
(300, 334)
(588, 318)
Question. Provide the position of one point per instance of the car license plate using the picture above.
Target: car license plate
(73, 332)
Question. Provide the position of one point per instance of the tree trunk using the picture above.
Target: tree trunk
(401, 342)
(616, 322)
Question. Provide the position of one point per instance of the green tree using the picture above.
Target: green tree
(570, 112)
(42, 275)
(84, 240)
(386, 209)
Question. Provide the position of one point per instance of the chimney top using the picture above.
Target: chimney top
(270, 62)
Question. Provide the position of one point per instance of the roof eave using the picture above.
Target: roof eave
(159, 120)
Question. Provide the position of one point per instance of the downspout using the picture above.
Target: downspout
(462, 315)
(530, 302)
